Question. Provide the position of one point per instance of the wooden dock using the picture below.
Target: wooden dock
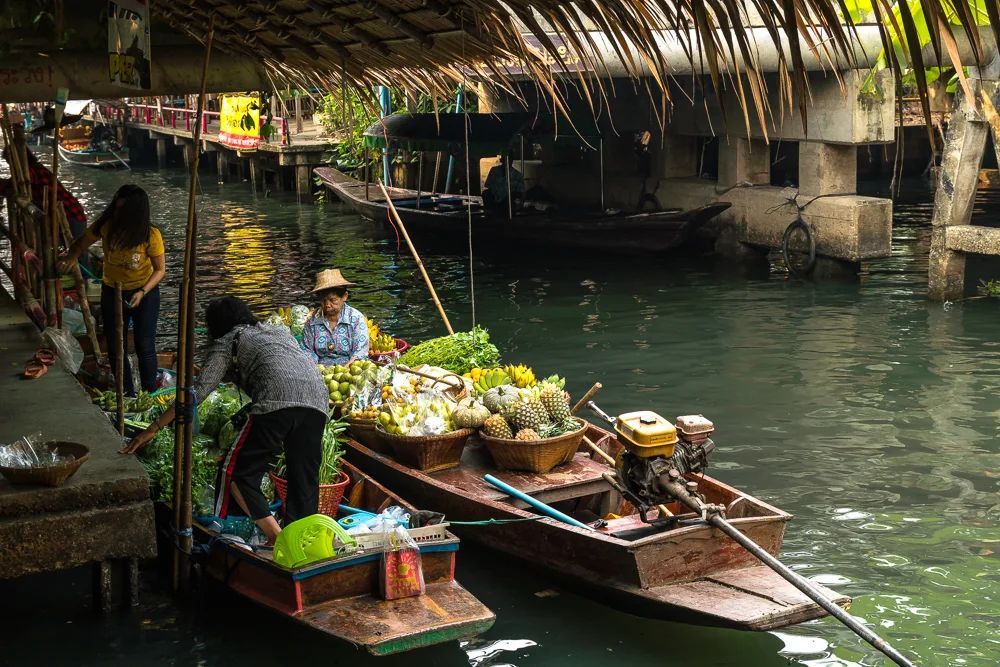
(101, 517)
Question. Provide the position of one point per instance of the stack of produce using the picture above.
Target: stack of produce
(521, 376)
(347, 383)
(417, 406)
(379, 342)
(458, 353)
(108, 401)
(291, 317)
(529, 413)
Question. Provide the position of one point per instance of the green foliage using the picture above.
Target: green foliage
(216, 410)
(458, 353)
(989, 287)
(157, 459)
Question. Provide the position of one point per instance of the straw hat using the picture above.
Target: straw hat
(330, 278)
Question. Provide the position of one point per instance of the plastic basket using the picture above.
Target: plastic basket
(401, 347)
(308, 540)
(424, 535)
(330, 495)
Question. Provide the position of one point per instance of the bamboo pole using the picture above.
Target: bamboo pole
(184, 407)
(52, 280)
(586, 397)
(413, 251)
(120, 359)
(81, 288)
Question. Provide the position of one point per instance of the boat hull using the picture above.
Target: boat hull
(95, 159)
(337, 597)
(694, 574)
(637, 232)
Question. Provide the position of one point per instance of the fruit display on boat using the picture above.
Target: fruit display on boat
(520, 375)
(553, 399)
(527, 434)
(469, 413)
(484, 379)
(291, 317)
(417, 406)
(500, 398)
(496, 426)
(345, 382)
(379, 342)
(529, 413)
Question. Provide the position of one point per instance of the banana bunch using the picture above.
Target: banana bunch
(484, 379)
(382, 343)
(165, 398)
(286, 315)
(373, 330)
(521, 375)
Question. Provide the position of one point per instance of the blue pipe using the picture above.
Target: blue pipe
(451, 158)
(385, 104)
(537, 504)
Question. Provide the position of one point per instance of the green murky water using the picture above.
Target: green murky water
(863, 409)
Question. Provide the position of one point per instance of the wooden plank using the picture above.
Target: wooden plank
(445, 612)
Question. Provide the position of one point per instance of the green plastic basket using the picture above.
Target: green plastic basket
(309, 540)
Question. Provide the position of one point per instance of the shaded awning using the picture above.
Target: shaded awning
(486, 133)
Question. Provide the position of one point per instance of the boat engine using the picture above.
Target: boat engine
(651, 470)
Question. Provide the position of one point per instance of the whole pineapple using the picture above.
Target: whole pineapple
(496, 426)
(526, 434)
(554, 400)
(530, 414)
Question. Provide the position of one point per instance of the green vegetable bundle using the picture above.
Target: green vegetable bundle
(157, 458)
(458, 353)
(215, 411)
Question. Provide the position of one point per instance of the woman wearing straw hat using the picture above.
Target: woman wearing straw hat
(336, 333)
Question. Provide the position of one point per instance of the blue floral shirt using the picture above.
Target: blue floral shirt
(348, 340)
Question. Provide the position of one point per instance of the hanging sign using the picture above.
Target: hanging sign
(128, 43)
(239, 122)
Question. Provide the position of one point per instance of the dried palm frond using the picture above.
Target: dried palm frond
(436, 44)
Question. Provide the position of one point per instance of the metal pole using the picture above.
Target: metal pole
(420, 176)
(677, 489)
(366, 172)
(510, 204)
(451, 158)
(385, 104)
(600, 143)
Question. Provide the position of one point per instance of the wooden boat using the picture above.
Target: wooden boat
(76, 147)
(430, 215)
(338, 597)
(691, 573)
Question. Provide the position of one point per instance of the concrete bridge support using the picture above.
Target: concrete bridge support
(952, 236)
(161, 153)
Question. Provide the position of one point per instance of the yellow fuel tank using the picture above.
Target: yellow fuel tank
(646, 434)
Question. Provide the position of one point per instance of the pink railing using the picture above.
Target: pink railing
(167, 117)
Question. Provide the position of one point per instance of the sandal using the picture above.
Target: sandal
(34, 370)
(45, 356)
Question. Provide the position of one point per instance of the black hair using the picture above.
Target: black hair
(129, 225)
(226, 313)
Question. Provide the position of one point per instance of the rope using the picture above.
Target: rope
(468, 186)
(494, 522)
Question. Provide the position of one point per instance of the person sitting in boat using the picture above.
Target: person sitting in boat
(288, 404)
(336, 333)
(134, 257)
(495, 190)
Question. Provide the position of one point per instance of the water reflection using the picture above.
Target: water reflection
(864, 410)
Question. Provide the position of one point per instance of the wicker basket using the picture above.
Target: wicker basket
(364, 431)
(53, 475)
(330, 495)
(382, 357)
(429, 452)
(535, 455)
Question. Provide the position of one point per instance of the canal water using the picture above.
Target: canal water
(868, 412)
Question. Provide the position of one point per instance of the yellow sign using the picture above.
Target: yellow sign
(239, 122)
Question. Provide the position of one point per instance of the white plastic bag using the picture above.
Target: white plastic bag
(66, 346)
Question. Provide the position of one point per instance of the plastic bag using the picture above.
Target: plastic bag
(72, 321)
(401, 574)
(66, 346)
(29, 451)
(385, 522)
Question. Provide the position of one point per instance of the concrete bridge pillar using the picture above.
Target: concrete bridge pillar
(303, 180)
(161, 153)
(222, 166)
(744, 161)
(680, 156)
(827, 169)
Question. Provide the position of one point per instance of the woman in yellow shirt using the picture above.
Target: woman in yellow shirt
(134, 257)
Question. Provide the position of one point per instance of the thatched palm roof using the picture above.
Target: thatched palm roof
(432, 44)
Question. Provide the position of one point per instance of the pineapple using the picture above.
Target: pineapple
(496, 426)
(527, 434)
(554, 400)
(530, 414)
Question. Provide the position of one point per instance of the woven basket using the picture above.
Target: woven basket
(429, 452)
(53, 475)
(381, 357)
(535, 455)
(330, 495)
(364, 431)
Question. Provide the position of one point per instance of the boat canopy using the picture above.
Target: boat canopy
(488, 133)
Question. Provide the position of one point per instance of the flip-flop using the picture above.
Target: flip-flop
(34, 370)
(45, 356)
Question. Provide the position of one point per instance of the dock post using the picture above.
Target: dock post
(222, 165)
(102, 586)
(303, 182)
(161, 152)
(955, 194)
(132, 581)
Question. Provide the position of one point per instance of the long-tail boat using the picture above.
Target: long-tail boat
(690, 572)
(339, 596)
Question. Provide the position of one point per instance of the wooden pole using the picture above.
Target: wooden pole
(81, 288)
(120, 359)
(586, 397)
(420, 176)
(52, 280)
(184, 407)
(413, 251)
